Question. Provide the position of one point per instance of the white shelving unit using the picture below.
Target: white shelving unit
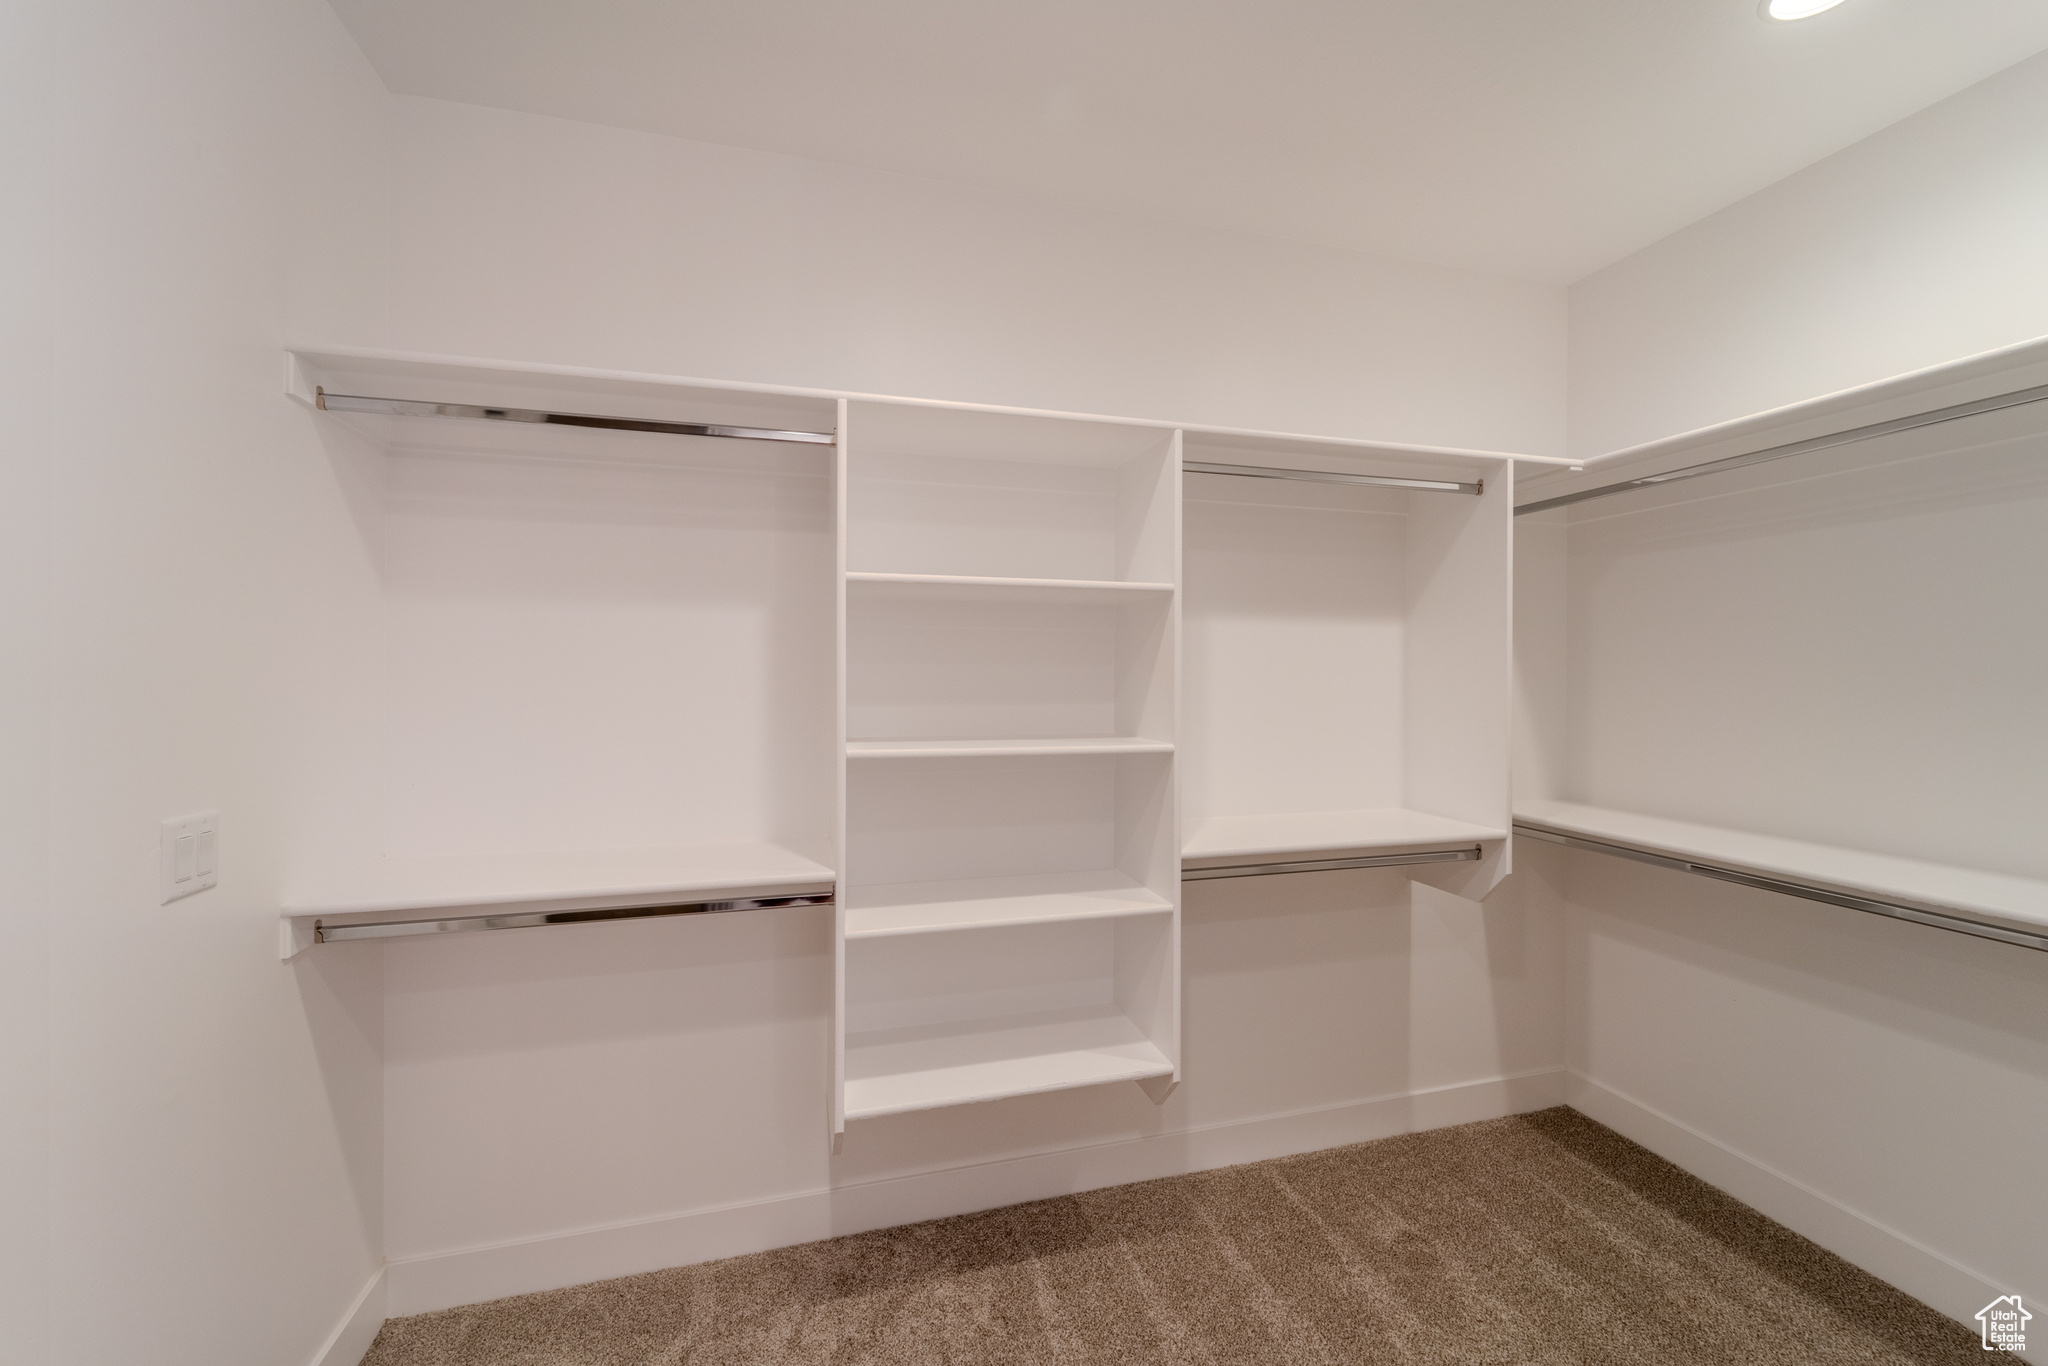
(1010, 918)
(928, 659)
(1347, 665)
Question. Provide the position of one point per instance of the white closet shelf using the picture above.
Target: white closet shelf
(968, 588)
(890, 1071)
(1937, 886)
(561, 880)
(991, 749)
(1301, 831)
(984, 902)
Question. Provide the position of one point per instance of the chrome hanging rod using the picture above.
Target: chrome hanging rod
(1808, 891)
(1933, 417)
(398, 929)
(1329, 865)
(1385, 481)
(406, 407)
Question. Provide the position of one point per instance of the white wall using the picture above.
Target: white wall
(691, 1059)
(1920, 244)
(1847, 650)
(1851, 658)
(691, 1055)
(544, 240)
(213, 1121)
(1877, 1086)
(27, 336)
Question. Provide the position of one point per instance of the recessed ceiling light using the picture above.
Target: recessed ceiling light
(1796, 9)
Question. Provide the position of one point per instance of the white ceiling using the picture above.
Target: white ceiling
(1535, 138)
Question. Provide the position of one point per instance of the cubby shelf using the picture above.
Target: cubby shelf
(539, 731)
(986, 902)
(960, 587)
(1300, 831)
(1345, 665)
(922, 1067)
(994, 749)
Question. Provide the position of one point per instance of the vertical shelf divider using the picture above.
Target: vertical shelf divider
(1348, 680)
(837, 1069)
(1459, 663)
(1158, 1088)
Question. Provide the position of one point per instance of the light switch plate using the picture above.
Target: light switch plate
(190, 856)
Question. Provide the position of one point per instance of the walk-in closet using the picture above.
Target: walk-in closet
(790, 684)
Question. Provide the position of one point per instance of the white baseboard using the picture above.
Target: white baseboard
(1885, 1253)
(469, 1275)
(352, 1337)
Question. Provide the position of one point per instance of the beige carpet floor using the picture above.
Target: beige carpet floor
(1542, 1238)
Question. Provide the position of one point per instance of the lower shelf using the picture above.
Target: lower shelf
(543, 882)
(889, 1071)
(973, 903)
(558, 879)
(1972, 892)
(997, 749)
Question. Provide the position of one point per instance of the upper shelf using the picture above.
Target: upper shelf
(1301, 831)
(1974, 387)
(466, 379)
(1936, 886)
(497, 384)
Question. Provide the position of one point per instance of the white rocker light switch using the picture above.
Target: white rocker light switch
(189, 858)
